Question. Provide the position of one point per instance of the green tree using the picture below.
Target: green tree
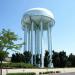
(27, 56)
(68, 64)
(71, 59)
(63, 58)
(8, 39)
(3, 54)
(37, 59)
(46, 59)
(7, 42)
(59, 59)
(17, 57)
(56, 59)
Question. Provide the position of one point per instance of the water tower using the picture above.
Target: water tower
(34, 22)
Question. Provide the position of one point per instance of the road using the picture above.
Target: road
(73, 73)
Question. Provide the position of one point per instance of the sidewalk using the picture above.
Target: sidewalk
(61, 70)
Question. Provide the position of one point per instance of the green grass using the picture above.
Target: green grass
(16, 65)
(21, 74)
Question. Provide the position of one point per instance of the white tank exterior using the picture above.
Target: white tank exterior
(36, 15)
(40, 11)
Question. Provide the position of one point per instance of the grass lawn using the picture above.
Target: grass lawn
(21, 74)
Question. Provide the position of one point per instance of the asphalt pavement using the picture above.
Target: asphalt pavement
(72, 73)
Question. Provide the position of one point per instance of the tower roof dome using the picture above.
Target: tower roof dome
(38, 15)
(40, 11)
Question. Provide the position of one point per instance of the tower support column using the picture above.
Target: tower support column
(25, 39)
(49, 45)
(32, 42)
(41, 34)
(29, 39)
(37, 45)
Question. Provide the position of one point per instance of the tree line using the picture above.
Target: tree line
(59, 59)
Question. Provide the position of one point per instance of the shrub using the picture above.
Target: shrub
(46, 72)
(57, 71)
(16, 65)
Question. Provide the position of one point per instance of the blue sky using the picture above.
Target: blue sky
(63, 33)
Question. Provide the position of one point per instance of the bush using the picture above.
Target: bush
(45, 72)
(49, 72)
(21, 74)
(16, 65)
(57, 71)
